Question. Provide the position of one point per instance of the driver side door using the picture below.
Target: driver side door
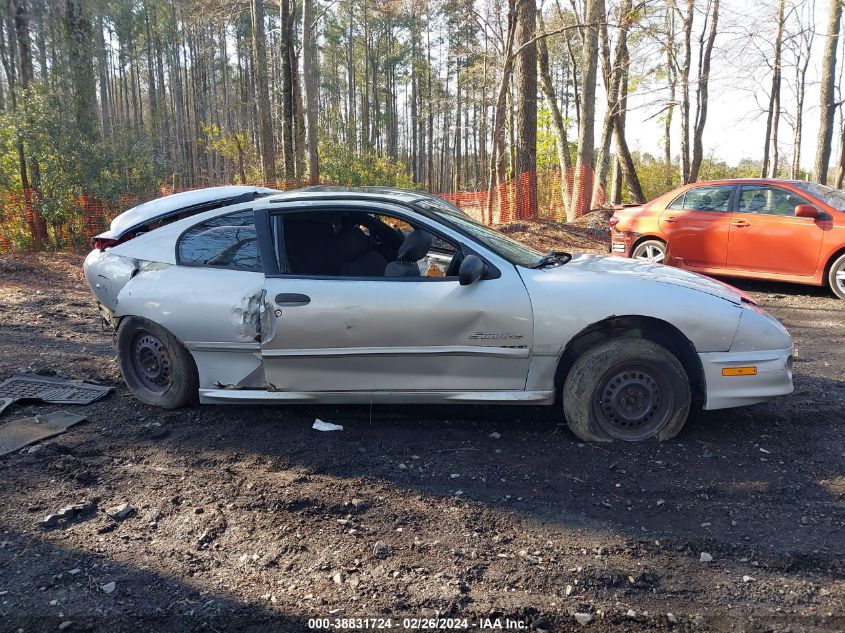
(330, 333)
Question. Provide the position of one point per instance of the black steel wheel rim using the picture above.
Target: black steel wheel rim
(633, 400)
(150, 363)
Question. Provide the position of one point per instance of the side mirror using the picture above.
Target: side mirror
(807, 211)
(472, 269)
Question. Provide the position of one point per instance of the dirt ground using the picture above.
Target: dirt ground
(246, 519)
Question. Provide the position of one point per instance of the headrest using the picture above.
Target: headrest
(415, 246)
(351, 243)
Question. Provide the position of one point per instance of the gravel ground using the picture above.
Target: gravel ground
(243, 518)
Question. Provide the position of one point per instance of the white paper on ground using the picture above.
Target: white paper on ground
(319, 425)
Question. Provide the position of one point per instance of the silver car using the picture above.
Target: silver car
(329, 295)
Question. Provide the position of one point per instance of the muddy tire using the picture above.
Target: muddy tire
(836, 276)
(156, 367)
(626, 389)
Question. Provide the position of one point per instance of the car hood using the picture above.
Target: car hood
(637, 270)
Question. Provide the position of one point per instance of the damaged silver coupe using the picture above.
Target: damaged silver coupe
(329, 295)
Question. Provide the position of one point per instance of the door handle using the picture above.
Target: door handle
(671, 218)
(740, 223)
(292, 299)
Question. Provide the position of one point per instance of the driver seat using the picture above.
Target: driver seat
(412, 250)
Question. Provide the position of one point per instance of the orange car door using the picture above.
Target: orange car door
(767, 237)
(696, 225)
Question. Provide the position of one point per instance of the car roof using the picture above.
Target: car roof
(167, 205)
(741, 181)
(351, 193)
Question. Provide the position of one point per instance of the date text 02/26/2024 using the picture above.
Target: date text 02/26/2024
(417, 624)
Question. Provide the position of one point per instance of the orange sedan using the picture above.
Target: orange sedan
(787, 230)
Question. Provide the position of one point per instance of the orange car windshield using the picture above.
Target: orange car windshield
(828, 195)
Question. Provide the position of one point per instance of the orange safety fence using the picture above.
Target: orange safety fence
(533, 195)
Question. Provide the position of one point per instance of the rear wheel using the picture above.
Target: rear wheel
(626, 389)
(650, 251)
(155, 365)
(836, 276)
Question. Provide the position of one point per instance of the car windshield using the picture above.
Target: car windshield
(497, 242)
(830, 196)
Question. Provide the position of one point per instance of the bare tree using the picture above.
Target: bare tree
(828, 104)
(801, 46)
(558, 123)
(309, 71)
(582, 191)
(259, 47)
(770, 149)
(705, 52)
(525, 80)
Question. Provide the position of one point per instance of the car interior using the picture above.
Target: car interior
(361, 244)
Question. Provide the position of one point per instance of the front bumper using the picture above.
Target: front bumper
(773, 377)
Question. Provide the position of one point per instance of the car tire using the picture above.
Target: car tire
(626, 389)
(653, 251)
(156, 367)
(837, 268)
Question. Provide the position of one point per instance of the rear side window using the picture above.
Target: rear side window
(227, 241)
(714, 198)
(769, 200)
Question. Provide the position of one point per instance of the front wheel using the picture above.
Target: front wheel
(653, 251)
(836, 277)
(626, 389)
(156, 367)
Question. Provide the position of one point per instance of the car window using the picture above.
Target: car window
(359, 244)
(711, 198)
(769, 200)
(227, 241)
(677, 203)
(833, 197)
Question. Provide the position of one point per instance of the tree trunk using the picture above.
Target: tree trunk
(38, 224)
(671, 80)
(827, 109)
(525, 80)
(265, 127)
(497, 157)
(770, 149)
(562, 143)
(103, 77)
(310, 65)
(594, 12)
(801, 83)
(683, 72)
(701, 93)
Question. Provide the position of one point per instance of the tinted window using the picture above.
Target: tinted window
(714, 198)
(227, 241)
(771, 200)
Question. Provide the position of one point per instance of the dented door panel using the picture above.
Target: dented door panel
(414, 335)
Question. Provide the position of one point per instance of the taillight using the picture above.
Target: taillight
(613, 221)
(101, 243)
